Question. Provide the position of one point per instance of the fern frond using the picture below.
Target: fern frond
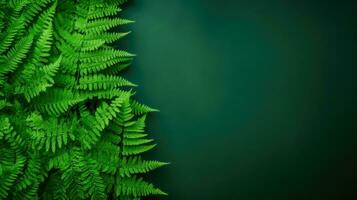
(134, 145)
(44, 20)
(135, 135)
(69, 60)
(135, 150)
(10, 135)
(60, 159)
(108, 37)
(139, 108)
(91, 45)
(8, 36)
(92, 181)
(102, 94)
(18, 5)
(41, 80)
(70, 177)
(34, 8)
(135, 165)
(81, 178)
(79, 42)
(101, 25)
(106, 11)
(137, 126)
(15, 55)
(32, 174)
(39, 58)
(136, 187)
(135, 142)
(104, 55)
(9, 175)
(94, 125)
(43, 45)
(125, 115)
(106, 112)
(109, 65)
(50, 134)
(56, 101)
(99, 82)
(116, 69)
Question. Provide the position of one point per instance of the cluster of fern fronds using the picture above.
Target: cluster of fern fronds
(69, 126)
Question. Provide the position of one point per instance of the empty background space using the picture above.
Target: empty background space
(257, 98)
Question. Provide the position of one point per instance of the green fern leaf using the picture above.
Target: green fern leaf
(135, 142)
(43, 45)
(40, 55)
(41, 80)
(109, 10)
(10, 135)
(32, 173)
(102, 94)
(125, 115)
(135, 150)
(103, 55)
(139, 108)
(70, 180)
(116, 68)
(94, 125)
(50, 133)
(34, 8)
(82, 179)
(99, 82)
(60, 160)
(134, 165)
(9, 175)
(44, 20)
(11, 61)
(56, 101)
(107, 37)
(135, 135)
(100, 25)
(8, 36)
(110, 64)
(136, 187)
(92, 181)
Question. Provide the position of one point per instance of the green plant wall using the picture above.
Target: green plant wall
(70, 127)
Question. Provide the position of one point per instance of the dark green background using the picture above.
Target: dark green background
(257, 98)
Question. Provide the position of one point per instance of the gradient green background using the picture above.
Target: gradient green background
(257, 98)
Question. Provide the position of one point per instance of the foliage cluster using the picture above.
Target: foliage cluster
(69, 126)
